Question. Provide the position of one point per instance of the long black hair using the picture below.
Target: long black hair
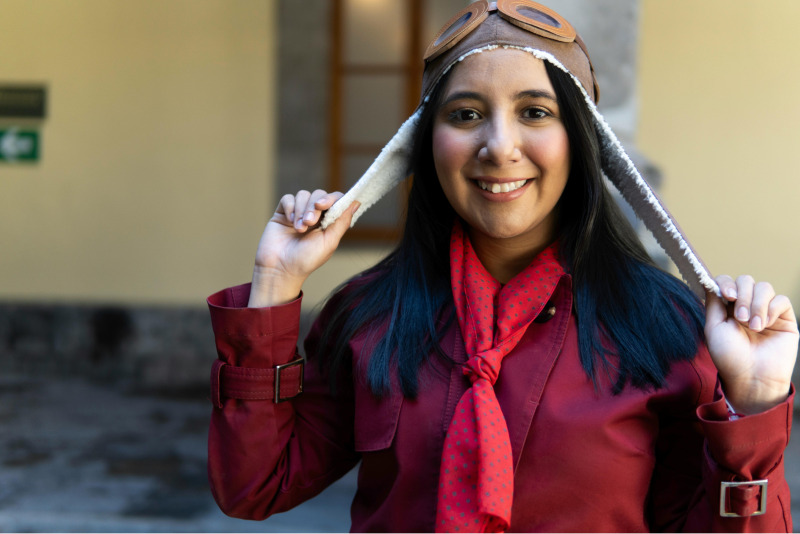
(634, 320)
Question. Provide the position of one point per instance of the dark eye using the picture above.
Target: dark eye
(535, 113)
(465, 115)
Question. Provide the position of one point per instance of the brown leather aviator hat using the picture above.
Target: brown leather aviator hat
(534, 28)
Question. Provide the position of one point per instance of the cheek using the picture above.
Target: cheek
(451, 152)
(550, 152)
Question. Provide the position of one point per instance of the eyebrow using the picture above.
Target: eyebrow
(537, 93)
(470, 95)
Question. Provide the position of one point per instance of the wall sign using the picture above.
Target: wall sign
(20, 101)
(19, 145)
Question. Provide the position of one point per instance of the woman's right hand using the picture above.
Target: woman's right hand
(293, 246)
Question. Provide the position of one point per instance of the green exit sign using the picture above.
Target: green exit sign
(19, 145)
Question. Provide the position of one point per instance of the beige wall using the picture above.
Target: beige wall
(157, 155)
(720, 113)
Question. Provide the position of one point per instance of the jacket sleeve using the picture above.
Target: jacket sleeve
(263, 457)
(700, 448)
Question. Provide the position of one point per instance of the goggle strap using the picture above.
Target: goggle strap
(596, 87)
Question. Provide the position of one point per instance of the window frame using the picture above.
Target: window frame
(411, 68)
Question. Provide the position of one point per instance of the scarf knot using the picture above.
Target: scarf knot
(481, 366)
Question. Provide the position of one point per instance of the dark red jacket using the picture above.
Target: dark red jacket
(585, 460)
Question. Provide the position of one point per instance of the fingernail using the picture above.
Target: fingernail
(356, 205)
(755, 323)
(309, 217)
(291, 216)
(731, 294)
(743, 313)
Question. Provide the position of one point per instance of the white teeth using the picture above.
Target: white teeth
(501, 188)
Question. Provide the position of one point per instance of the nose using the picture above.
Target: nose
(500, 144)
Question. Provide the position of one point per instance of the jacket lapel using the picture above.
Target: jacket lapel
(525, 369)
(458, 382)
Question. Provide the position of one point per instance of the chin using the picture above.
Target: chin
(501, 229)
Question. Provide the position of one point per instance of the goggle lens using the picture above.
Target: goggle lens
(538, 16)
(457, 25)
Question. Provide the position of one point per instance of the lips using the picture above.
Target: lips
(500, 190)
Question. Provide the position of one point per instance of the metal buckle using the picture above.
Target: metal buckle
(762, 507)
(278, 368)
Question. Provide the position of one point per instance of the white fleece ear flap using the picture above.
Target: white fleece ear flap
(618, 167)
(392, 166)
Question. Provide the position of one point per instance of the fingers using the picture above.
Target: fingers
(780, 308)
(319, 202)
(286, 208)
(744, 289)
(338, 227)
(762, 296)
(328, 200)
(726, 286)
(716, 311)
(300, 202)
(305, 214)
(303, 210)
(754, 305)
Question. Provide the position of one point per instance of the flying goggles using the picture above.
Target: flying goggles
(525, 14)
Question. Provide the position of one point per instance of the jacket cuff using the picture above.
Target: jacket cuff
(253, 337)
(750, 446)
(743, 449)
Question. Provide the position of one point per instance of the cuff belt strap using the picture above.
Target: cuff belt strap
(277, 384)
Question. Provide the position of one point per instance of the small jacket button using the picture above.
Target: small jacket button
(546, 314)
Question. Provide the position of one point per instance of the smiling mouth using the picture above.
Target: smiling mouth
(500, 188)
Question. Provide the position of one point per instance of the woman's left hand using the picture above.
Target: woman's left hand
(752, 338)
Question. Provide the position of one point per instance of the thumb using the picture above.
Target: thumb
(338, 227)
(716, 311)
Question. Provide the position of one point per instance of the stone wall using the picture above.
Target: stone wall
(303, 73)
(149, 349)
(164, 349)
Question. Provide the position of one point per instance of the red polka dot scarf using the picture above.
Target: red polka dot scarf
(476, 481)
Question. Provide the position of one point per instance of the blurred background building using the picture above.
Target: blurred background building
(170, 128)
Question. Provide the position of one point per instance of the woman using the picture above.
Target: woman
(518, 362)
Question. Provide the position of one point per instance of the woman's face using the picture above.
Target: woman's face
(499, 145)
